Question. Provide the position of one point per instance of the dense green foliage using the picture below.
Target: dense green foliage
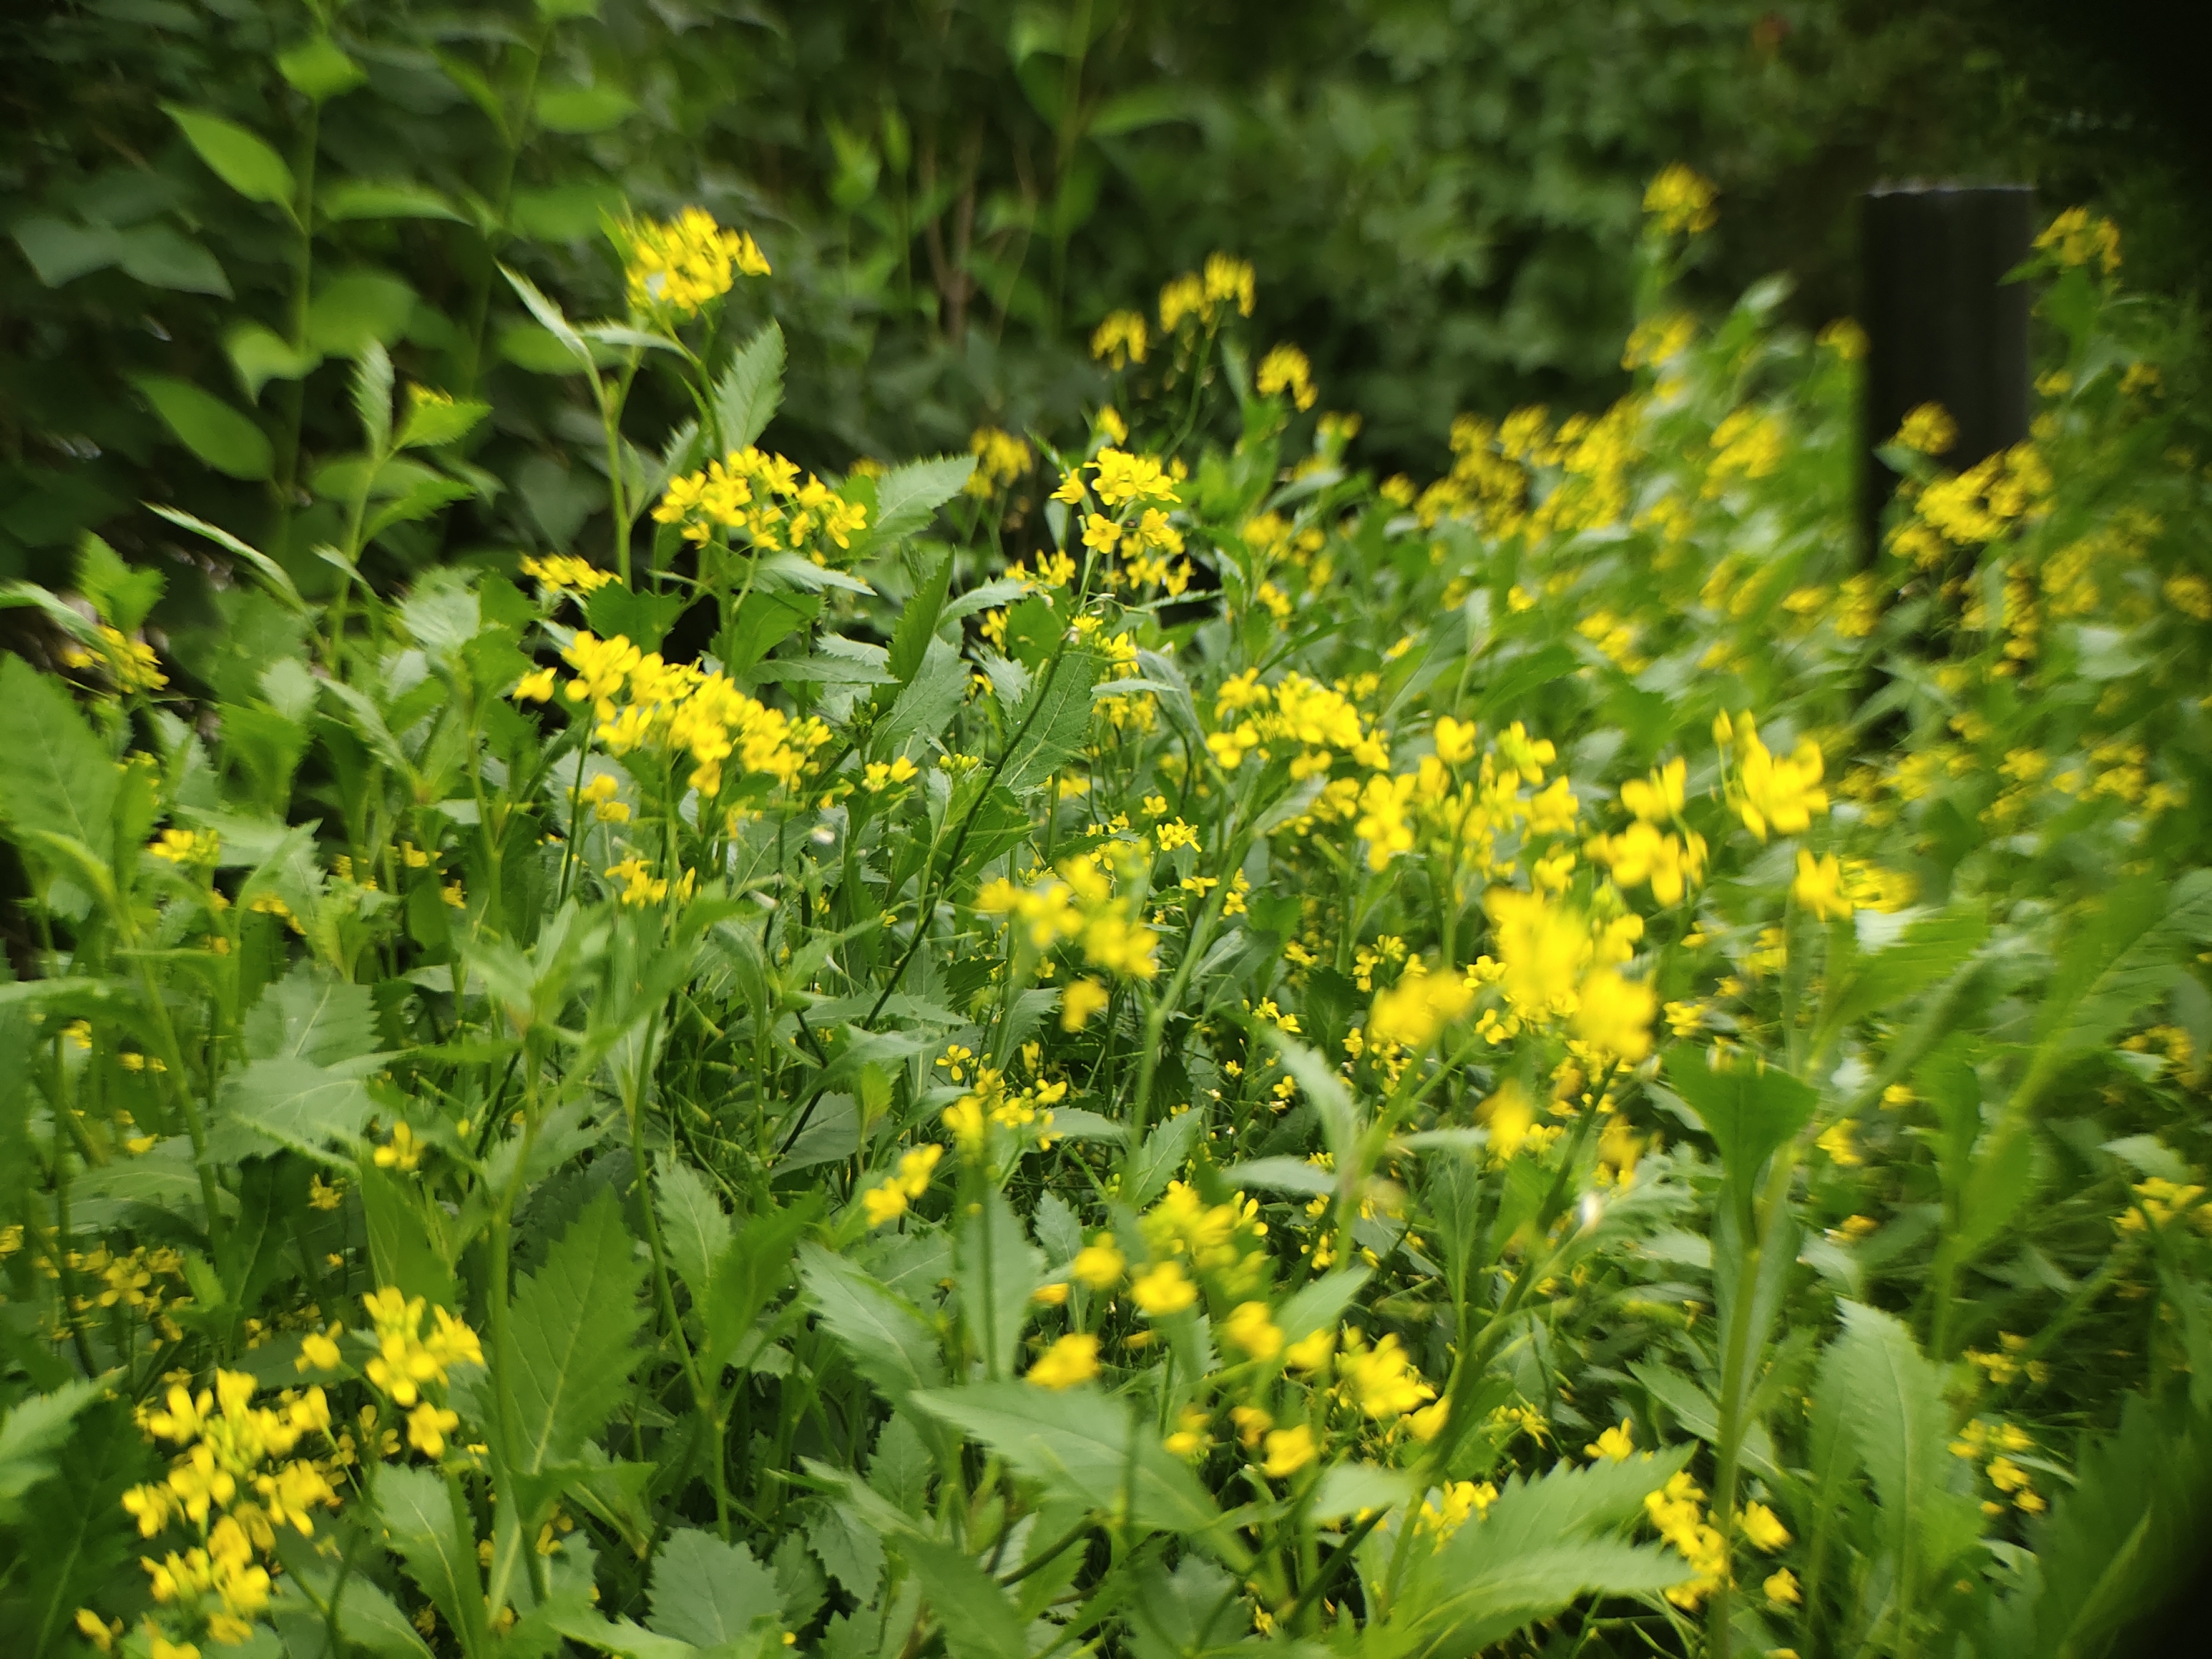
(1152, 1047)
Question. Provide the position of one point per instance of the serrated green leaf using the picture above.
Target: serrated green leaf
(917, 623)
(209, 426)
(708, 1592)
(693, 1229)
(297, 1104)
(996, 1268)
(60, 775)
(751, 1270)
(84, 1536)
(891, 1343)
(973, 1611)
(1081, 1445)
(32, 1436)
(1928, 951)
(573, 1325)
(928, 702)
(1749, 1110)
(751, 388)
(240, 158)
(1054, 722)
(121, 595)
(311, 1015)
(908, 497)
(426, 1530)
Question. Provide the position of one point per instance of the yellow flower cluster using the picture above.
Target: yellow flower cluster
(1073, 1359)
(1928, 429)
(1975, 508)
(1121, 340)
(1081, 905)
(1286, 370)
(406, 1362)
(129, 663)
(1770, 794)
(1383, 1381)
(1676, 1514)
(890, 1198)
(1206, 297)
(678, 706)
(1024, 1110)
(676, 266)
(235, 1480)
(1679, 201)
(1000, 458)
(1221, 1241)
(1412, 1012)
(1321, 722)
(1645, 852)
(2078, 237)
(753, 491)
(1553, 963)
(187, 846)
(565, 574)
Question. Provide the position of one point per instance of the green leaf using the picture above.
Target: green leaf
(401, 1250)
(1054, 721)
(996, 1268)
(574, 1327)
(431, 424)
(643, 619)
(751, 1271)
(891, 1344)
(563, 213)
(32, 1436)
(1145, 107)
(1082, 1445)
(60, 775)
(582, 109)
(929, 700)
(161, 256)
(1319, 1306)
(60, 251)
(365, 198)
(121, 595)
(357, 310)
(973, 1611)
(271, 573)
(1540, 1548)
(297, 1104)
(551, 319)
(693, 1228)
(83, 1536)
(751, 387)
(319, 66)
(1749, 1110)
(372, 402)
(1928, 951)
(709, 1592)
(311, 1015)
(917, 623)
(427, 1531)
(908, 497)
(209, 426)
(1893, 1413)
(238, 157)
(261, 355)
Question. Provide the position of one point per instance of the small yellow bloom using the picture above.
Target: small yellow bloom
(1614, 1444)
(1162, 1289)
(1819, 886)
(534, 688)
(1081, 999)
(1765, 1528)
(1781, 1587)
(1289, 1450)
(1073, 1359)
(1249, 1328)
(1099, 1264)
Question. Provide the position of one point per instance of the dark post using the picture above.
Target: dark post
(1943, 326)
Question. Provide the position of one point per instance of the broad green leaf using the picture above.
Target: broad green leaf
(364, 198)
(2127, 960)
(60, 251)
(851, 1550)
(261, 354)
(84, 1538)
(209, 426)
(357, 310)
(32, 1435)
(240, 159)
(751, 387)
(693, 1228)
(929, 700)
(582, 109)
(1319, 1306)
(1052, 724)
(435, 1545)
(368, 1618)
(891, 1343)
(60, 775)
(573, 1327)
(751, 1270)
(1929, 949)
(709, 1592)
(315, 1109)
(1318, 1081)
(1544, 1545)
(271, 573)
(973, 1611)
(400, 1248)
(121, 595)
(311, 1015)
(1895, 1417)
(431, 424)
(1164, 1152)
(161, 256)
(563, 213)
(1082, 1445)
(996, 1268)
(1749, 1110)
(908, 497)
(319, 66)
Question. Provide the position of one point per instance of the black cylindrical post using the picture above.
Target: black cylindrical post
(1942, 325)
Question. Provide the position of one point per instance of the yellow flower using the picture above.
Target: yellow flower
(1284, 369)
(1614, 1444)
(1120, 339)
(318, 1352)
(1455, 741)
(1289, 1450)
(1615, 1014)
(1162, 1289)
(427, 1426)
(679, 264)
(883, 1204)
(1819, 886)
(1679, 200)
(402, 1152)
(1311, 1353)
(1765, 1528)
(1081, 999)
(1249, 1328)
(1384, 1380)
(1098, 1264)
(1929, 430)
(1073, 1359)
(1780, 795)
(1781, 1587)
